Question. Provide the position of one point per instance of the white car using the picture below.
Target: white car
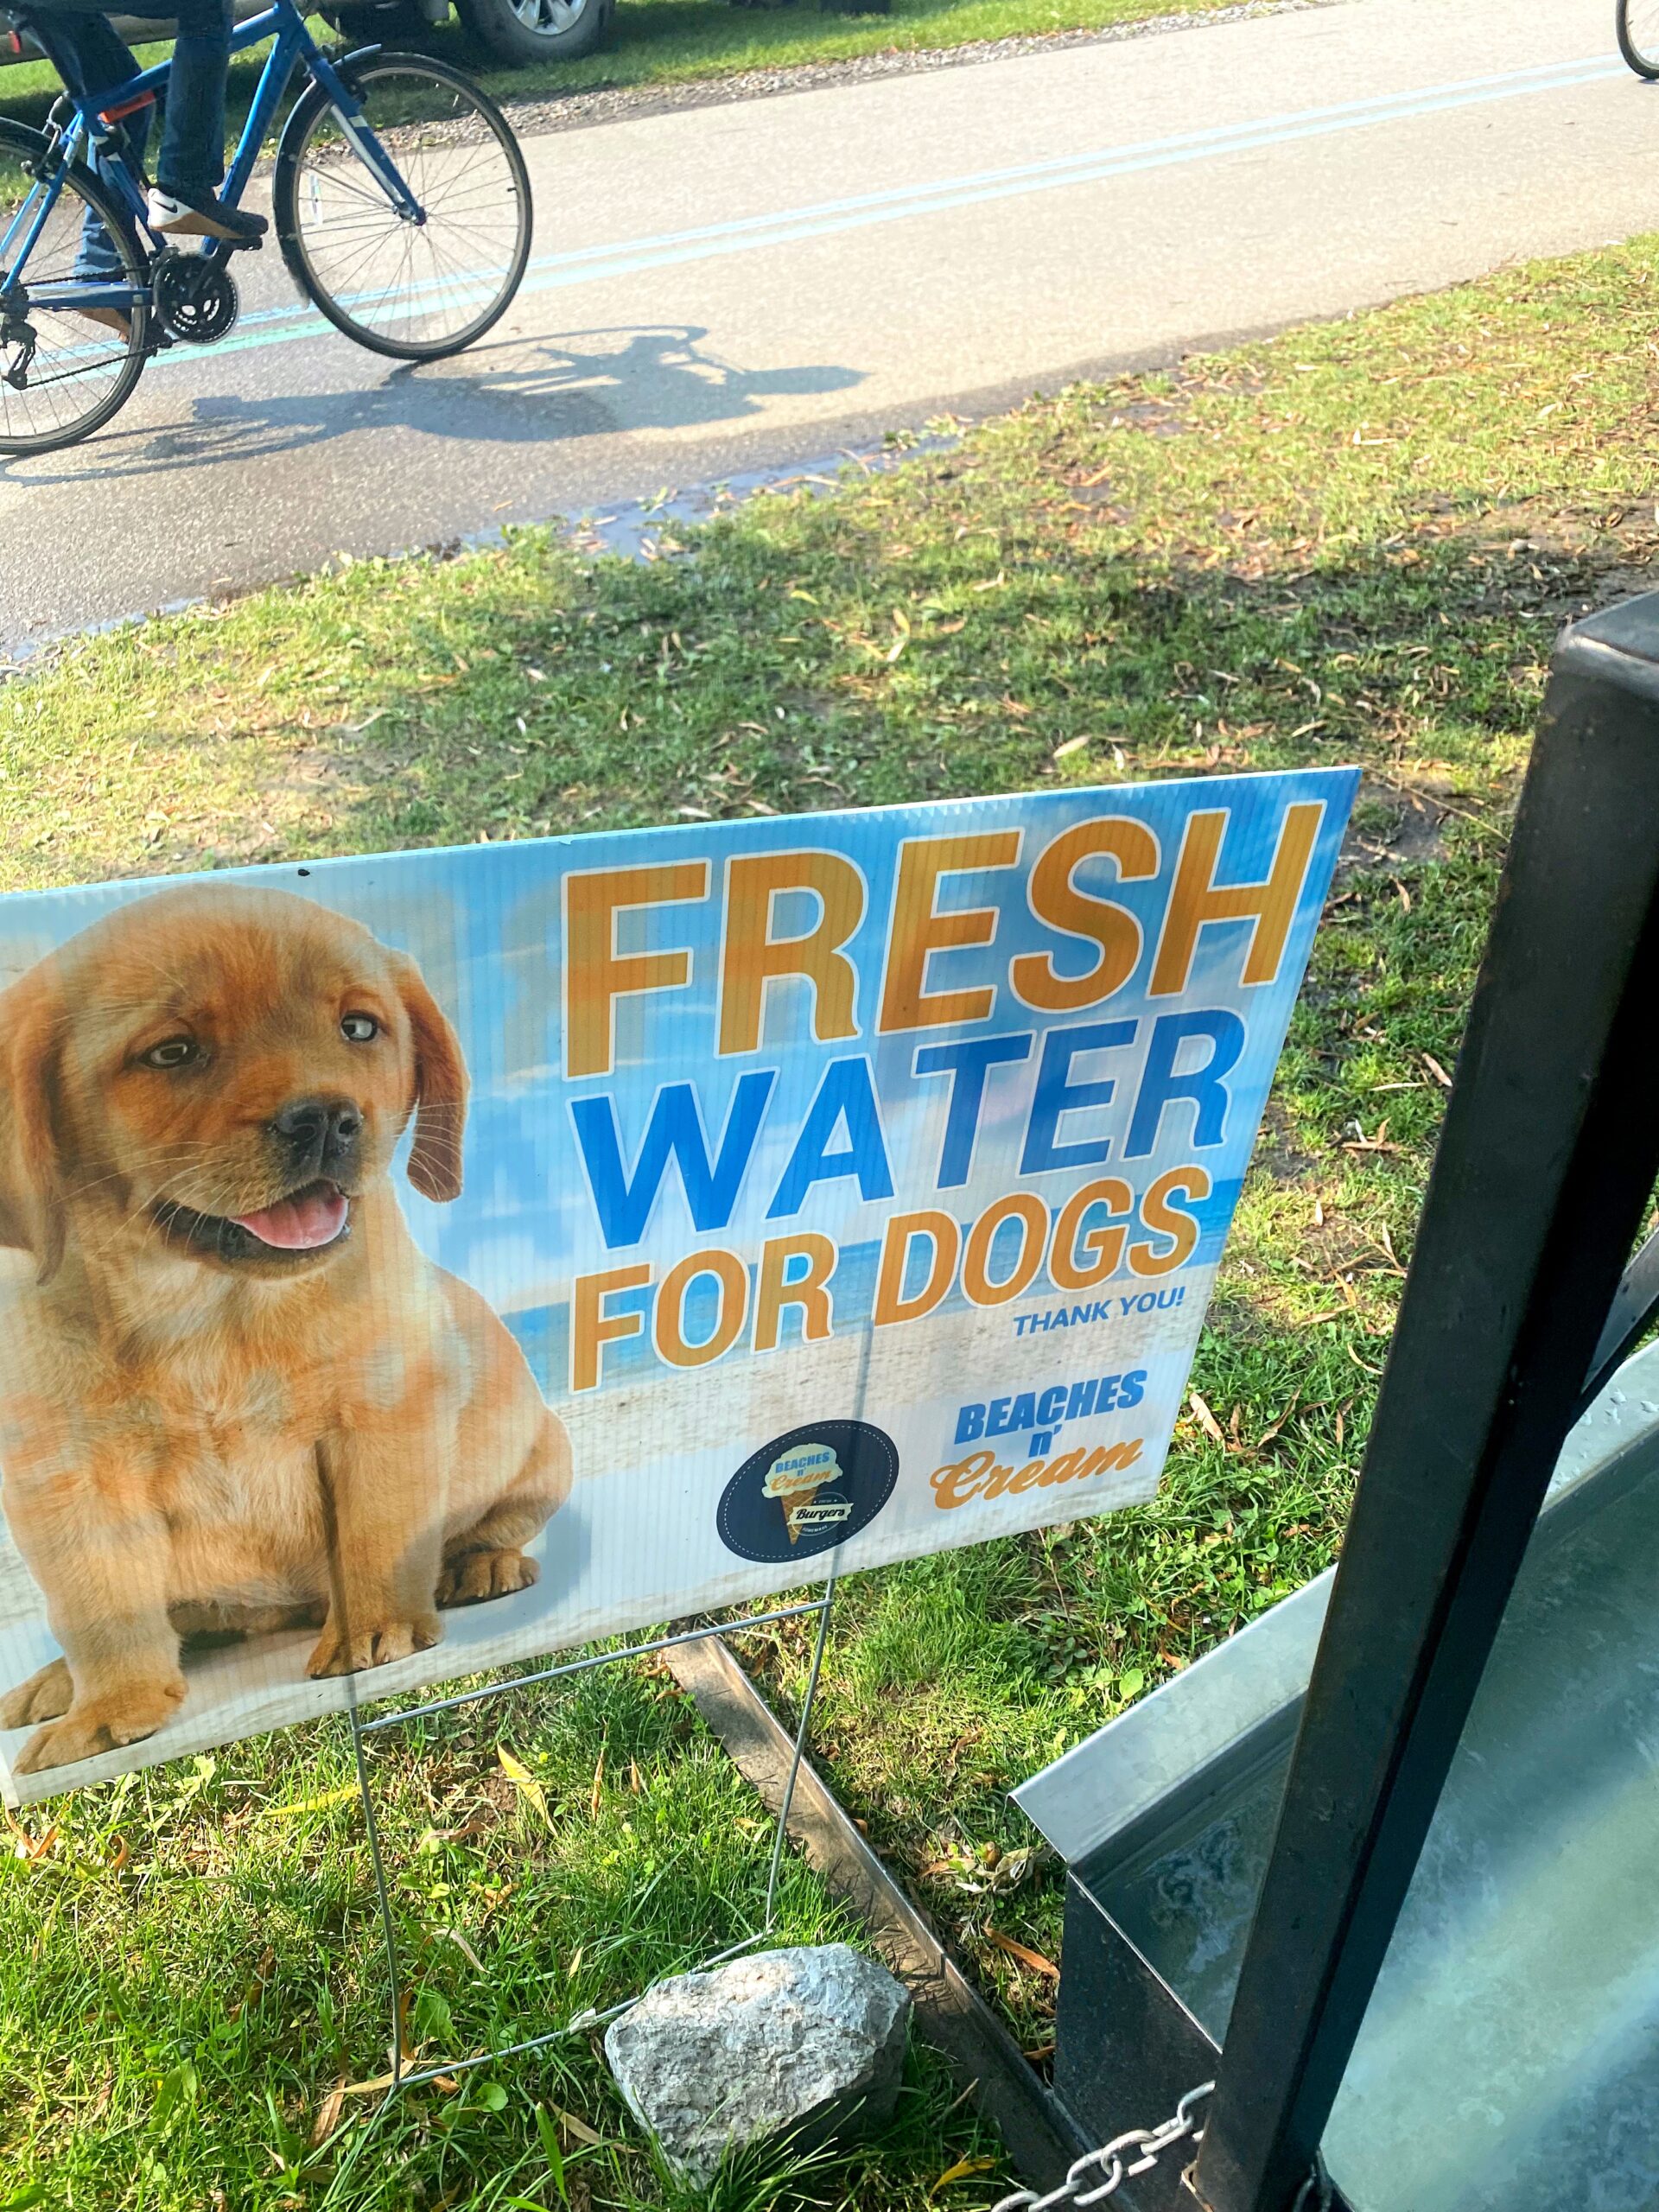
(510, 30)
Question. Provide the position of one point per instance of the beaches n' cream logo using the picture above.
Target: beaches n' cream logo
(807, 1491)
(795, 1479)
(982, 1476)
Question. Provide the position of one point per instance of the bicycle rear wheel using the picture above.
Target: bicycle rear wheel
(62, 375)
(418, 291)
(1637, 25)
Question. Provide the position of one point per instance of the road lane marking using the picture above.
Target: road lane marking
(755, 233)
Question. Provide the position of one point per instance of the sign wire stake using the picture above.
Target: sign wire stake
(402, 2075)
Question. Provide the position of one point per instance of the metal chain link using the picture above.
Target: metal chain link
(1111, 2162)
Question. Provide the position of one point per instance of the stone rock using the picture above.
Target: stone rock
(807, 2042)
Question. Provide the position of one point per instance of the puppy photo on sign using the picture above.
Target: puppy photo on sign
(235, 1396)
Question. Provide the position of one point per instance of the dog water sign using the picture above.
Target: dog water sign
(415, 1263)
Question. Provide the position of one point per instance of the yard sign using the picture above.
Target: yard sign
(420, 1263)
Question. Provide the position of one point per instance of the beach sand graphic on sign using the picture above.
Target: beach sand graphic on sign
(795, 1481)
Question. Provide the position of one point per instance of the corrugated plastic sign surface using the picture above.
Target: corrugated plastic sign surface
(419, 1262)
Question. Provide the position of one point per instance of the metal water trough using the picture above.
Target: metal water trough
(1385, 1866)
(1511, 2051)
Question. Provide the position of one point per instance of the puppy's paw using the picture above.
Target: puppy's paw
(102, 1723)
(343, 1650)
(471, 1576)
(46, 1696)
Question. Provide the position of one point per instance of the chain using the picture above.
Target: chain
(1114, 2161)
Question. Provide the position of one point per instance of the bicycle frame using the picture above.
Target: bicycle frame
(96, 116)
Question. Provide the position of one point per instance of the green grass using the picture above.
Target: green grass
(673, 42)
(195, 2000)
(1353, 543)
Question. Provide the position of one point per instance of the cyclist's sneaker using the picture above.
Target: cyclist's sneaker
(203, 215)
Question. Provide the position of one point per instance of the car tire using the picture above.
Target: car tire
(383, 23)
(520, 31)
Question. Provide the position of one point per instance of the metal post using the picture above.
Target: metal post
(1550, 1150)
(781, 1830)
(383, 1894)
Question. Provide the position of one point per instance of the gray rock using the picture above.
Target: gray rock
(807, 2042)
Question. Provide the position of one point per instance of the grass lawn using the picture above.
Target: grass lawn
(1353, 543)
(672, 41)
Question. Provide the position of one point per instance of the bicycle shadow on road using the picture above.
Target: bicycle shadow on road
(543, 390)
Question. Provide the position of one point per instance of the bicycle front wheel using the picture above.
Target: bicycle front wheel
(422, 289)
(64, 371)
(1637, 25)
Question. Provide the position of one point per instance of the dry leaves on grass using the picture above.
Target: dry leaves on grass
(529, 1790)
(1014, 1949)
(963, 2170)
(328, 2113)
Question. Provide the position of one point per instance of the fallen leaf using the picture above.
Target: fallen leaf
(525, 1783)
(463, 1947)
(1437, 1071)
(595, 1797)
(347, 1791)
(1073, 745)
(1205, 1419)
(963, 2170)
(1023, 1951)
(1267, 1434)
(368, 2089)
(328, 2119)
(577, 2128)
(1043, 2052)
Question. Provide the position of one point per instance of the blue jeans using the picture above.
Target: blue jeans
(89, 58)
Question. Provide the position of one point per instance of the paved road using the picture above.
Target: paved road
(728, 288)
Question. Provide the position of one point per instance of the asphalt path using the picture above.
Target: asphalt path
(753, 285)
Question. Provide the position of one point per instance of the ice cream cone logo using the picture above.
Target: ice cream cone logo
(807, 1491)
(795, 1480)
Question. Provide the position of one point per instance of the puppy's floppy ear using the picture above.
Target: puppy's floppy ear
(31, 1168)
(440, 1089)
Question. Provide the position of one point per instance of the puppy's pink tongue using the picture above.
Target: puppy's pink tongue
(302, 1223)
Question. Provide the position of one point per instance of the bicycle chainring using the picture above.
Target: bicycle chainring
(196, 300)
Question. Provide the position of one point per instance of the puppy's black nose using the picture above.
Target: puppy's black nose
(321, 1133)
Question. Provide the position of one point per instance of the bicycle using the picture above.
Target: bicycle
(1636, 22)
(400, 203)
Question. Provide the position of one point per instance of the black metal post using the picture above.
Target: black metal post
(1549, 1152)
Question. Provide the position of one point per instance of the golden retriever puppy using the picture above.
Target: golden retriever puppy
(234, 1395)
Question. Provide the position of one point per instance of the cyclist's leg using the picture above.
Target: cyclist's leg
(191, 165)
(88, 55)
(192, 159)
